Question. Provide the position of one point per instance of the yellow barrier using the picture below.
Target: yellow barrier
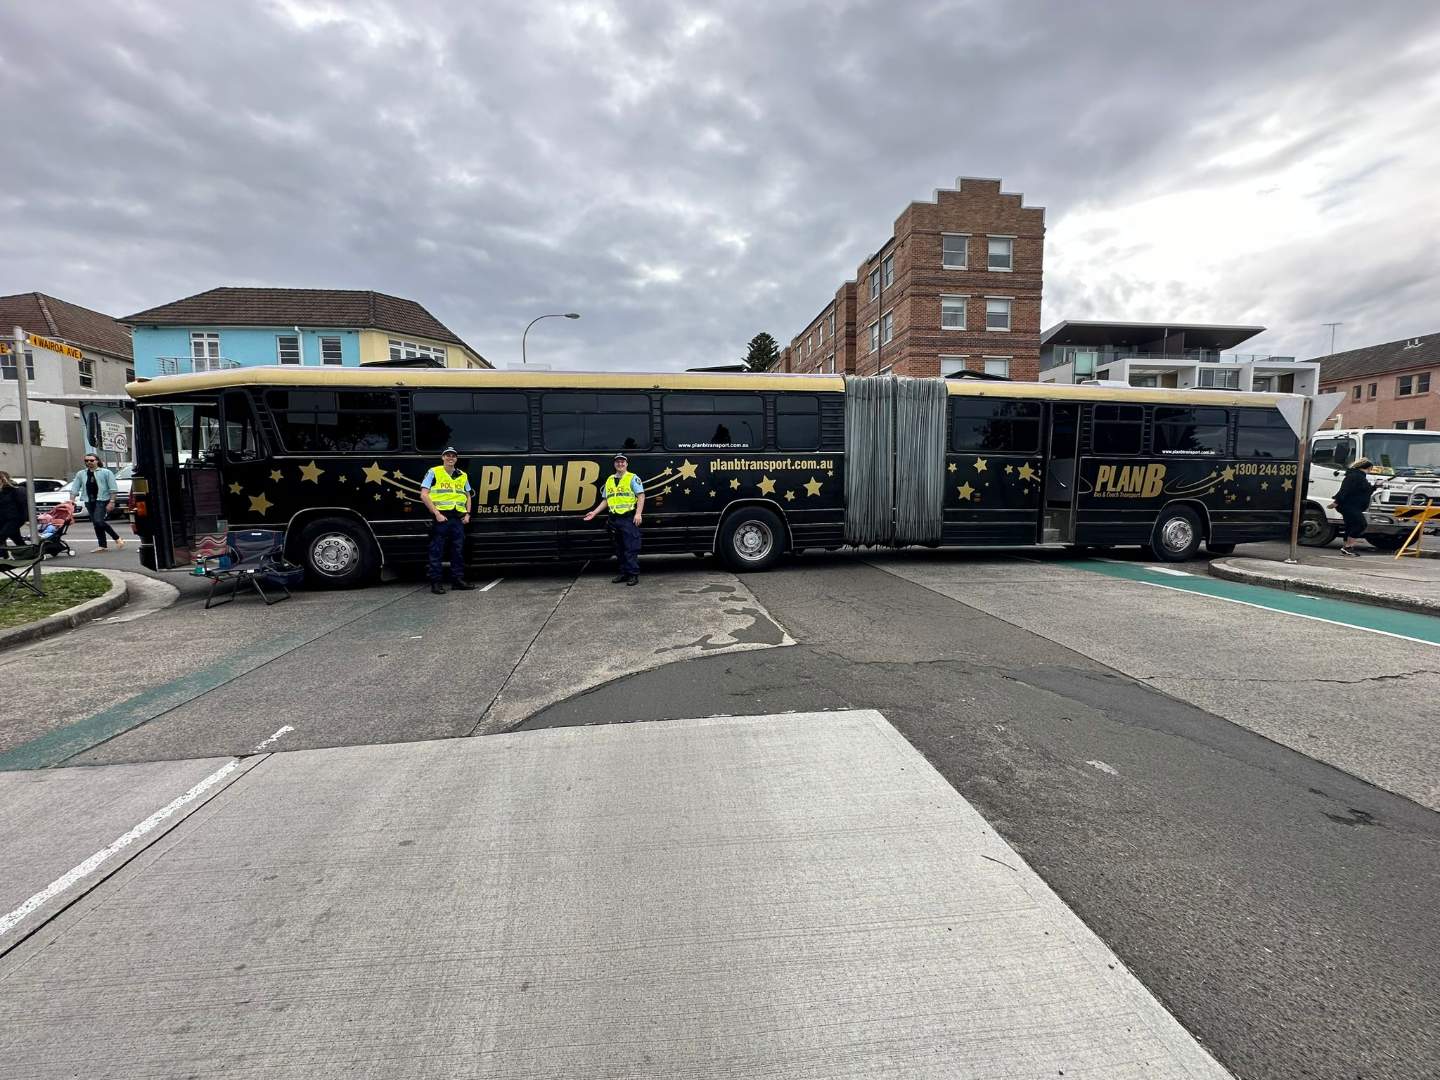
(1421, 514)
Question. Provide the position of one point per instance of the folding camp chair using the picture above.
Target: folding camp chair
(17, 572)
(257, 561)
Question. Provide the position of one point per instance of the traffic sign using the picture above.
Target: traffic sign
(49, 343)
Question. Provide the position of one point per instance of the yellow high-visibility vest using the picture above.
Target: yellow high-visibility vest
(448, 492)
(620, 500)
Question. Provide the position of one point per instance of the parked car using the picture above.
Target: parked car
(49, 496)
(124, 475)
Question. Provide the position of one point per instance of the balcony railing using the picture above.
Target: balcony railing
(185, 365)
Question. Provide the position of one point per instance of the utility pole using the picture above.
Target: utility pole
(22, 384)
(1332, 326)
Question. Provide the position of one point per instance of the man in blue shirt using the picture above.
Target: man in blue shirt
(624, 498)
(446, 493)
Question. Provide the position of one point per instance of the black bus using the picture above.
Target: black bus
(746, 466)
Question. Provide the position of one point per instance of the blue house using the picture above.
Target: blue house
(244, 327)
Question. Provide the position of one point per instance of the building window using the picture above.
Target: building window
(330, 350)
(874, 336)
(1372, 390)
(411, 350)
(830, 364)
(832, 326)
(10, 430)
(952, 312)
(7, 366)
(1219, 378)
(887, 271)
(954, 251)
(1001, 252)
(950, 363)
(887, 327)
(1409, 385)
(87, 374)
(997, 314)
(1262, 384)
(287, 347)
(874, 283)
(204, 351)
(1404, 425)
(129, 374)
(996, 365)
(1355, 394)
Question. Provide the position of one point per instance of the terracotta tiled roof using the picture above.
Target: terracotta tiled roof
(337, 308)
(1380, 359)
(39, 314)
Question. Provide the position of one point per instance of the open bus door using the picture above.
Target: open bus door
(176, 494)
(1061, 444)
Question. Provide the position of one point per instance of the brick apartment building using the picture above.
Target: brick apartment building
(955, 287)
(1395, 385)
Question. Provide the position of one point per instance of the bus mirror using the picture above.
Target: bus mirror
(92, 430)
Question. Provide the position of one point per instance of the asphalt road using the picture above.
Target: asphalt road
(1185, 773)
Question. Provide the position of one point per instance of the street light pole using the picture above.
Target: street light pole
(22, 385)
(532, 322)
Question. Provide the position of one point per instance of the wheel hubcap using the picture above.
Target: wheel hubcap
(1310, 528)
(753, 541)
(334, 554)
(1177, 534)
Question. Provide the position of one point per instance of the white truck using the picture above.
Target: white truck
(1406, 473)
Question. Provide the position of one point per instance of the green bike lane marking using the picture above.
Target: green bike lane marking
(1407, 625)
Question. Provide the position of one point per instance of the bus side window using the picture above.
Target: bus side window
(595, 422)
(995, 426)
(1196, 430)
(1264, 434)
(797, 422)
(484, 422)
(713, 421)
(242, 433)
(334, 421)
(1117, 429)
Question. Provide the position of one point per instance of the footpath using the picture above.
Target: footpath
(1406, 584)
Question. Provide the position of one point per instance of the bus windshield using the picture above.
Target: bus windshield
(1404, 453)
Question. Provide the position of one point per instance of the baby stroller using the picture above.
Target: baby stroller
(52, 538)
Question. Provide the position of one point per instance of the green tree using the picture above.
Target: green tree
(762, 353)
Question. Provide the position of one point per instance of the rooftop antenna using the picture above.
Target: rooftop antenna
(1332, 326)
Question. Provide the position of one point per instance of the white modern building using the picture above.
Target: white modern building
(1178, 355)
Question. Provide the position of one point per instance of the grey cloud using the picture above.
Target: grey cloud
(496, 161)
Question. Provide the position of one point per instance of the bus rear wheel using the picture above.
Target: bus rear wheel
(752, 538)
(336, 553)
(1177, 535)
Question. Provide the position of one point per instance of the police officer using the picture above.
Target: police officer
(446, 493)
(624, 498)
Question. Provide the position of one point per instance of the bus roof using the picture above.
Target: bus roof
(433, 378)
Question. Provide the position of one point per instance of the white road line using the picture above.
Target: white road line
(1168, 570)
(283, 731)
(492, 584)
(1292, 614)
(60, 884)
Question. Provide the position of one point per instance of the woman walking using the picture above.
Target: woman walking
(13, 510)
(1352, 500)
(96, 485)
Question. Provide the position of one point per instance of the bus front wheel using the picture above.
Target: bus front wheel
(1315, 527)
(336, 553)
(1177, 535)
(752, 538)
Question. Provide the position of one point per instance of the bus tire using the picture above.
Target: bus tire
(337, 553)
(1315, 528)
(1177, 535)
(1219, 549)
(751, 539)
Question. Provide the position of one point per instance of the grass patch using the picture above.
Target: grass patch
(63, 589)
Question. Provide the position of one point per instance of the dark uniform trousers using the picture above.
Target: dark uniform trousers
(627, 542)
(451, 532)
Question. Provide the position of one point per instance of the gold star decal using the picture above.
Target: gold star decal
(829, 472)
(687, 491)
(1286, 485)
(276, 475)
(767, 486)
(789, 496)
(375, 474)
(734, 485)
(813, 487)
(712, 494)
(965, 491)
(260, 504)
(980, 464)
(1009, 469)
(344, 479)
(377, 496)
(1264, 485)
(687, 470)
(1026, 473)
(235, 488)
(1228, 473)
(950, 467)
(311, 472)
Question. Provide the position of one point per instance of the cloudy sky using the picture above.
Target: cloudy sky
(687, 175)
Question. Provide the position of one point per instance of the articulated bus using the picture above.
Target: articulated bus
(749, 467)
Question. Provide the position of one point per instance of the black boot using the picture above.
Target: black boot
(461, 585)
(619, 579)
(633, 579)
(437, 588)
